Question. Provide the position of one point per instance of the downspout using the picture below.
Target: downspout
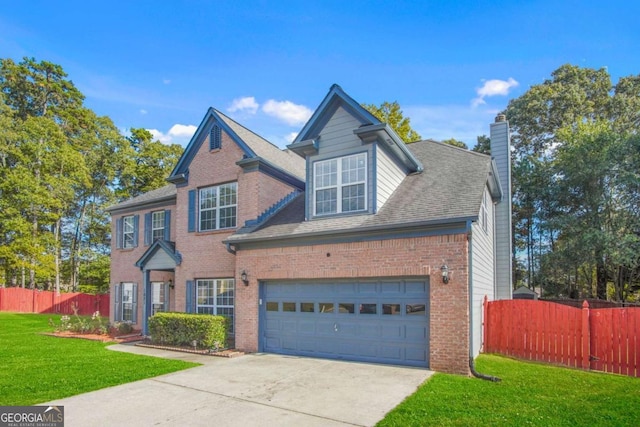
(470, 296)
(229, 249)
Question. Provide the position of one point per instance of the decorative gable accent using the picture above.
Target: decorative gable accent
(162, 254)
(215, 137)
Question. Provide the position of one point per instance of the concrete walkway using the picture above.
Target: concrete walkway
(250, 390)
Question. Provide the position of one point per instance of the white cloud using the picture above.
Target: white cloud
(178, 134)
(291, 136)
(143, 111)
(492, 88)
(166, 81)
(247, 104)
(287, 111)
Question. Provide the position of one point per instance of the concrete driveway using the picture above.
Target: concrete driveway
(251, 390)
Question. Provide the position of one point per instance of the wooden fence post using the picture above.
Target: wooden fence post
(586, 336)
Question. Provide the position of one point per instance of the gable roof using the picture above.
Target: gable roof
(166, 193)
(159, 245)
(371, 128)
(252, 145)
(448, 191)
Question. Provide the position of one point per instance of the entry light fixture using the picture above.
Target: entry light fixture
(171, 285)
(244, 278)
(445, 273)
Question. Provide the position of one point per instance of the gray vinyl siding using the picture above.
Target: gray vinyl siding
(389, 175)
(500, 143)
(338, 140)
(482, 274)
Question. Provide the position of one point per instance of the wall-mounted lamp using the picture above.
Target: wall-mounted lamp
(171, 285)
(445, 273)
(244, 278)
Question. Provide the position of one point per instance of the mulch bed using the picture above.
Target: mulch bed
(227, 352)
(120, 339)
(141, 342)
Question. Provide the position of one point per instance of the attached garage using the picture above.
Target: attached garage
(382, 321)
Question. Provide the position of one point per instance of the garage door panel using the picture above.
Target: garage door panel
(380, 321)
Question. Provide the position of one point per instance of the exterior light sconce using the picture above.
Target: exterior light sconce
(244, 278)
(171, 285)
(445, 273)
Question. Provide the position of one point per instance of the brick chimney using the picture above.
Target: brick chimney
(501, 153)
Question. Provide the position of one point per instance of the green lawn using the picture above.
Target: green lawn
(36, 368)
(530, 394)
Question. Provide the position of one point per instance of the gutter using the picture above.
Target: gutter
(470, 297)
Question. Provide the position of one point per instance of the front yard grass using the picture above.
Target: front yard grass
(530, 394)
(36, 368)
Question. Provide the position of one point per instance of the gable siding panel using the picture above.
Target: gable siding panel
(159, 261)
(482, 274)
(389, 176)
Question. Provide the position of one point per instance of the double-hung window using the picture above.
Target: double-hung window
(128, 300)
(157, 225)
(340, 185)
(128, 232)
(218, 207)
(217, 297)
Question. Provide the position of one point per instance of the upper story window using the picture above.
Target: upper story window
(218, 207)
(157, 225)
(128, 232)
(340, 185)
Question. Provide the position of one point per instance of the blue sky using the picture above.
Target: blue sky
(451, 65)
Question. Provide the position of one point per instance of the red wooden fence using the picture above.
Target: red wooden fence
(34, 301)
(603, 339)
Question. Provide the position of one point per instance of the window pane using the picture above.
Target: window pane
(228, 194)
(419, 309)
(368, 308)
(326, 201)
(127, 232)
(208, 198)
(208, 220)
(288, 306)
(346, 308)
(272, 306)
(225, 293)
(353, 198)
(390, 308)
(306, 307)
(227, 217)
(325, 307)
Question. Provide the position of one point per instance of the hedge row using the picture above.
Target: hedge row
(182, 329)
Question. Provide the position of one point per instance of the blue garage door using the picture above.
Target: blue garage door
(383, 321)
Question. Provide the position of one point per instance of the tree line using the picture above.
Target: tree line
(575, 164)
(61, 165)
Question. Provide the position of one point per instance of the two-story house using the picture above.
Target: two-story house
(350, 244)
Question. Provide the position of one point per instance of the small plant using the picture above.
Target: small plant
(123, 328)
(79, 324)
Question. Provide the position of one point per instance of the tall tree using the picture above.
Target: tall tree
(552, 125)
(391, 113)
(483, 145)
(150, 166)
(454, 142)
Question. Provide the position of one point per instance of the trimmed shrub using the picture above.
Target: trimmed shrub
(183, 329)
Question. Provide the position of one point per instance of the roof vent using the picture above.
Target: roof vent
(501, 118)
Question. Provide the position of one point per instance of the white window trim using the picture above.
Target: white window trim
(218, 207)
(125, 287)
(153, 225)
(128, 228)
(339, 184)
(215, 306)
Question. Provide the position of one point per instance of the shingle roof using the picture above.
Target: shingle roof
(163, 193)
(450, 188)
(286, 160)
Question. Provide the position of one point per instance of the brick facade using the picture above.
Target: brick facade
(411, 257)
